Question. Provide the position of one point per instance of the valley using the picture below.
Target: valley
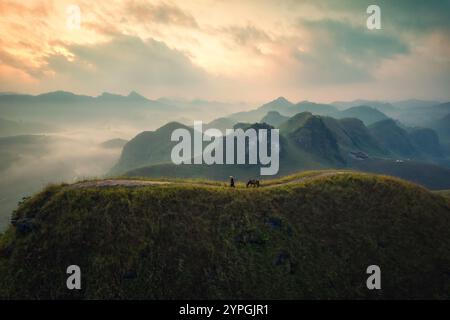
(312, 136)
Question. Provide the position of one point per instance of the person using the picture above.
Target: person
(231, 181)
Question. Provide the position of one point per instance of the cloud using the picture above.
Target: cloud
(161, 13)
(247, 35)
(225, 49)
(63, 160)
(20, 64)
(103, 28)
(125, 63)
(248, 39)
(412, 16)
(339, 52)
(14, 8)
(354, 41)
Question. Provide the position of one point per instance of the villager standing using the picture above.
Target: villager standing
(231, 181)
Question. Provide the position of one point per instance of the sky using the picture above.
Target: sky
(228, 50)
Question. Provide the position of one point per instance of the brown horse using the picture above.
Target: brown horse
(253, 182)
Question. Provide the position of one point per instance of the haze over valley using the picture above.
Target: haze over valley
(64, 137)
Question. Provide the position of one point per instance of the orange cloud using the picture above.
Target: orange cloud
(250, 48)
(161, 13)
(15, 8)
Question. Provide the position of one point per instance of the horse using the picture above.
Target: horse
(253, 182)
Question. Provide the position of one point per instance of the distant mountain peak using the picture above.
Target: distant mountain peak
(132, 95)
(109, 95)
(276, 104)
(170, 126)
(58, 93)
(363, 107)
(281, 100)
(386, 122)
(135, 95)
(304, 102)
(274, 118)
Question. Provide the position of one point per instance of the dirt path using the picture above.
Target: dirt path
(141, 183)
(319, 175)
(116, 183)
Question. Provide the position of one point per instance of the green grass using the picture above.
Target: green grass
(207, 182)
(312, 239)
(444, 193)
(196, 181)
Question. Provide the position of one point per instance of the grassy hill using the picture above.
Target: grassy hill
(444, 193)
(351, 134)
(221, 124)
(384, 107)
(427, 174)
(114, 143)
(310, 133)
(442, 127)
(366, 114)
(305, 236)
(274, 118)
(426, 141)
(148, 154)
(424, 114)
(307, 141)
(394, 138)
(416, 143)
(285, 108)
(148, 147)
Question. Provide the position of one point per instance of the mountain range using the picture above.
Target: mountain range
(410, 133)
(61, 108)
(307, 141)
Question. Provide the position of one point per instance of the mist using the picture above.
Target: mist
(69, 156)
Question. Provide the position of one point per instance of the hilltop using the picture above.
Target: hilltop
(309, 235)
(367, 114)
(148, 147)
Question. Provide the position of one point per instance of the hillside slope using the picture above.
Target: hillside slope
(274, 118)
(148, 147)
(366, 114)
(442, 127)
(285, 108)
(427, 174)
(310, 239)
(394, 138)
(307, 142)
